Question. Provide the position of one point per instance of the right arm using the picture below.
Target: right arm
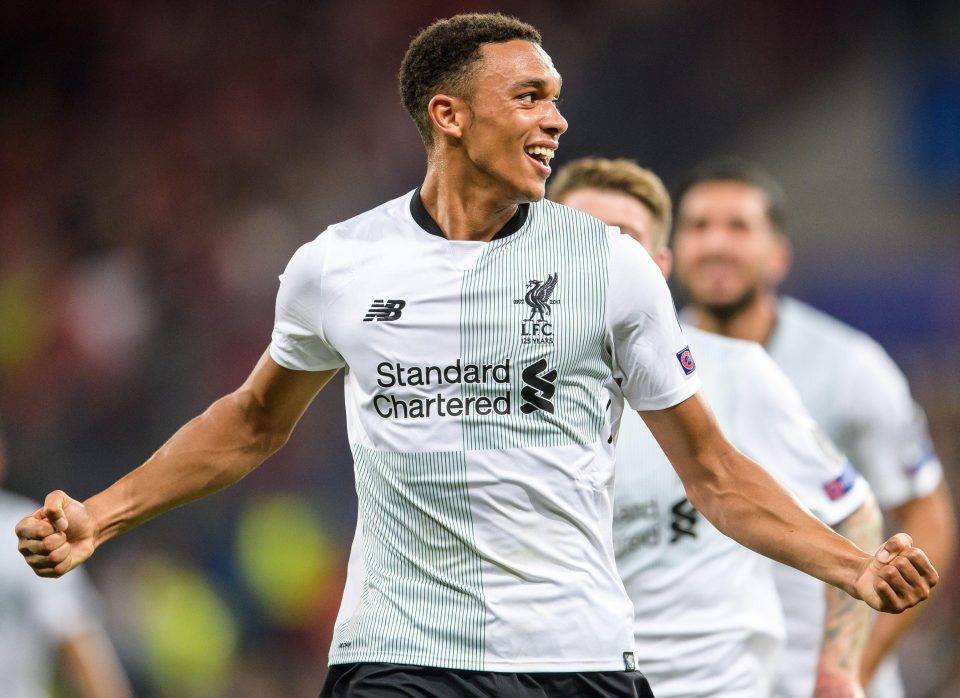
(219, 447)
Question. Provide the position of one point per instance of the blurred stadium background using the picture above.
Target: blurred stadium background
(160, 162)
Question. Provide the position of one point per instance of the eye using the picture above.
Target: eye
(557, 101)
(528, 97)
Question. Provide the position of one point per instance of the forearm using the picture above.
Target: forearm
(208, 453)
(747, 504)
(94, 667)
(846, 620)
(931, 523)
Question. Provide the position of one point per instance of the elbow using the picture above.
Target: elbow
(262, 436)
(710, 492)
(267, 443)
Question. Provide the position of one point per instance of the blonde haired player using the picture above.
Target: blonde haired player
(708, 620)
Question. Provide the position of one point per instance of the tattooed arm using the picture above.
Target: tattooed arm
(847, 622)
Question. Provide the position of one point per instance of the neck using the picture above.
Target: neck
(464, 212)
(754, 321)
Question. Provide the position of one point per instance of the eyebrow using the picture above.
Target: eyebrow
(536, 83)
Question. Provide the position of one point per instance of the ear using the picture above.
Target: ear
(448, 115)
(781, 259)
(664, 259)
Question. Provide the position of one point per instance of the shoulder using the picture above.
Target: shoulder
(376, 222)
(341, 243)
(747, 368)
(728, 348)
(837, 342)
(796, 318)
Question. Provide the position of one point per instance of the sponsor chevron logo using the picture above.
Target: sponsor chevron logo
(538, 388)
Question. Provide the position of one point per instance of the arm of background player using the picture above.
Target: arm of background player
(931, 522)
(891, 445)
(232, 437)
(847, 622)
(744, 502)
(93, 666)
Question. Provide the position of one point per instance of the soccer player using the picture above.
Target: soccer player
(489, 339)
(43, 626)
(722, 638)
(731, 254)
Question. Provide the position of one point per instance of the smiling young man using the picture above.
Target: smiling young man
(723, 639)
(731, 255)
(490, 339)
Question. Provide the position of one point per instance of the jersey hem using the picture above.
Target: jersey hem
(280, 356)
(520, 667)
(668, 399)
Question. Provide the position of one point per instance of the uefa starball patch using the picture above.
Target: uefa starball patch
(835, 489)
(686, 361)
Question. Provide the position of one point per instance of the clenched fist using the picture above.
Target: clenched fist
(58, 536)
(897, 577)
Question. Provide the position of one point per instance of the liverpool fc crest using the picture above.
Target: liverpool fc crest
(537, 328)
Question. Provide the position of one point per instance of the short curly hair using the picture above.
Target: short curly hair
(441, 59)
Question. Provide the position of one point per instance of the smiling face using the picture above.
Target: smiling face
(726, 250)
(511, 124)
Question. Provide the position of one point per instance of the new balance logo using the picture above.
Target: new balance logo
(384, 311)
(684, 520)
(538, 389)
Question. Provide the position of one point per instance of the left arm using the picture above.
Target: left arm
(744, 502)
(931, 522)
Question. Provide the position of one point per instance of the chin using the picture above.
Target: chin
(728, 306)
(532, 193)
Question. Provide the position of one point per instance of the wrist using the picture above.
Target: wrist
(104, 516)
(837, 682)
(854, 565)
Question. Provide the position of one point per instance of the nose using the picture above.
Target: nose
(711, 237)
(553, 121)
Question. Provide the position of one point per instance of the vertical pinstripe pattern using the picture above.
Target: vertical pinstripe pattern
(422, 600)
(423, 572)
(576, 248)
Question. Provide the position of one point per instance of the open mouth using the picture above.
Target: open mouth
(541, 155)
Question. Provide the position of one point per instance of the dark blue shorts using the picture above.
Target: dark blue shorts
(369, 680)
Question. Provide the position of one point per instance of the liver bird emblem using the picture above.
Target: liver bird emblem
(538, 295)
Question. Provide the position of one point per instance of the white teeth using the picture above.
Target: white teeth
(546, 153)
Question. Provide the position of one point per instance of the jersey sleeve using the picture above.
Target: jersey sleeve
(889, 439)
(298, 340)
(775, 429)
(652, 360)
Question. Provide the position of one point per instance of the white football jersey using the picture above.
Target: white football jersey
(36, 614)
(483, 385)
(862, 401)
(708, 619)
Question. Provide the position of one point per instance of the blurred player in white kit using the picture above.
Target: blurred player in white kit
(61, 624)
(721, 638)
(731, 254)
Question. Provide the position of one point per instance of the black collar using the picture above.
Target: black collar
(425, 220)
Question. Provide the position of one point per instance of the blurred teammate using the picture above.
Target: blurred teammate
(45, 625)
(721, 638)
(731, 254)
(489, 340)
